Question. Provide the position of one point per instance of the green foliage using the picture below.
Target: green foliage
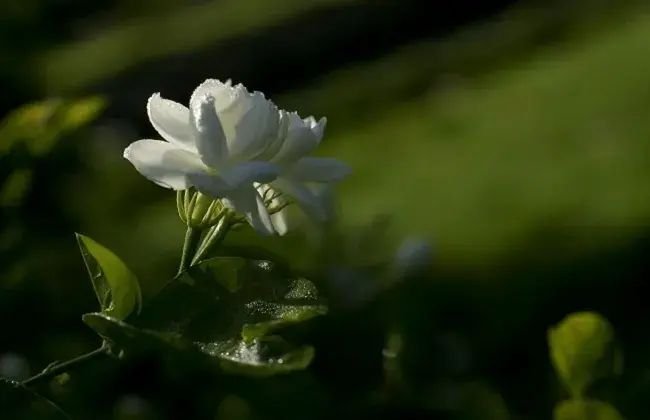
(18, 402)
(583, 350)
(226, 312)
(116, 287)
(585, 410)
(557, 123)
(90, 60)
(39, 125)
(480, 402)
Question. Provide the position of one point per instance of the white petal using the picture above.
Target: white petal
(208, 133)
(171, 120)
(251, 125)
(305, 198)
(326, 195)
(312, 169)
(220, 90)
(210, 184)
(300, 140)
(250, 121)
(245, 173)
(317, 127)
(164, 163)
(279, 220)
(274, 147)
(248, 201)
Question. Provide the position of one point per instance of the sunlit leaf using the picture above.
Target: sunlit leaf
(300, 303)
(13, 190)
(261, 357)
(586, 410)
(27, 122)
(18, 402)
(116, 287)
(583, 350)
(80, 112)
(40, 124)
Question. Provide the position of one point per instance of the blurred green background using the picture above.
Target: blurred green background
(514, 135)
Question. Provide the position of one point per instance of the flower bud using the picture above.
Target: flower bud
(199, 211)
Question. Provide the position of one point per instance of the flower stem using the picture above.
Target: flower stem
(192, 239)
(56, 369)
(215, 235)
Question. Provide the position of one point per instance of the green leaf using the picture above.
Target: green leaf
(39, 125)
(116, 287)
(583, 350)
(223, 311)
(132, 340)
(18, 402)
(585, 410)
(79, 112)
(227, 293)
(480, 402)
(284, 316)
(261, 357)
(14, 190)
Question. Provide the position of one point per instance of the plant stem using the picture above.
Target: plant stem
(214, 236)
(59, 368)
(192, 239)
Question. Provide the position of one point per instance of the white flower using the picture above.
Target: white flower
(277, 205)
(302, 177)
(216, 146)
(277, 202)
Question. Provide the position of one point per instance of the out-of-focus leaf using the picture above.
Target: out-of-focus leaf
(78, 113)
(482, 403)
(116, 287)
(39, 125)
(585, 410)
(583, 350)
(13, 190)
(27, 123)
(18, 402)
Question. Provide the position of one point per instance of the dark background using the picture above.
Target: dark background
(511, 134)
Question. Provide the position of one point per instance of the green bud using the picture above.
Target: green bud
(583, 349)
(199, 211)
(585, 410)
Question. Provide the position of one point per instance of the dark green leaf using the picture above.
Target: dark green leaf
(132, 340)
(585, 410)
(223, 311)
(261, 357)
(18, 402)
(116, 287)
(220, 296)
(583, 350)
(480, 402)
